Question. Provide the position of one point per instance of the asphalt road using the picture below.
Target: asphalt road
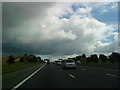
(53, 76)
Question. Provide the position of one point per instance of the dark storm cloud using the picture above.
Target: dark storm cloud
(15, 13)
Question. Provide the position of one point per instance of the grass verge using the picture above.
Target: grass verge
(7, 68)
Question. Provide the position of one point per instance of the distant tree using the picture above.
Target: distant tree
(77, 58)
(74, 58)
(69, 58)
(11, 60)
(35, 59)
(94, 58)
(21, 59)
(83, 56)
(103, 58)
(25, 54)
(91, 56)
(39, 59)
(32, 58)
(31, 55)
(114, 57)
(80, 57)
(88, 60)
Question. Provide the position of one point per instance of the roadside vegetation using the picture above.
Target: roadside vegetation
(101, 59)
(14, 63)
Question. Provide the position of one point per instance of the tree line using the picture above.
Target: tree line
(94, 58)
(29, 58)
(101, 58)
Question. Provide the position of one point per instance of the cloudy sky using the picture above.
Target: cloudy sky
(59, 29)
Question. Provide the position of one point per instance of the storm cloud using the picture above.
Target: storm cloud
(53, 29)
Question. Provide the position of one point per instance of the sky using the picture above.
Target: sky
(59, 29)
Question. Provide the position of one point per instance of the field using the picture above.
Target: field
(4, 59)
(6, 68)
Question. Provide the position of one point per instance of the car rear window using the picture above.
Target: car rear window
(69, 61)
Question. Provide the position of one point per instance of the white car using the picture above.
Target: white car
(58, 63)
(78, 62)
(69, 63)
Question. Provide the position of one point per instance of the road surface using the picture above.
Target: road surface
(53, 76)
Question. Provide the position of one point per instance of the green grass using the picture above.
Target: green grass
(6, 68)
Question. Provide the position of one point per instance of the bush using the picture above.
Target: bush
(39, 59)
(95, 58)
(21, 59)
(32, 58)
(83, 56)
(103, 58)
(114, 57)
(88, 60)
(11, 60)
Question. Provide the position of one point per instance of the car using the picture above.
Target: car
(53, 62)
(69, 63)
(78, 62)
(58, 62)
(47, 61)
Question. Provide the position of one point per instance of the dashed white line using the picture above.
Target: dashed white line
(71, 76)
(99, 68)
(112, 75)
(18, 85)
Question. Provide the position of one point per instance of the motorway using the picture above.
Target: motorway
(53, 76)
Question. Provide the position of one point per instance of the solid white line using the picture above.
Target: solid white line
(100, 68)
(18, 85)
(71, 75)
(112, 75)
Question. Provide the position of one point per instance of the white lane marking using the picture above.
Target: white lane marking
(100, 68)
(112, 75)
(71, 76)
(18, 85)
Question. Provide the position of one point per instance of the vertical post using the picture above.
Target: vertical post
(0, 45)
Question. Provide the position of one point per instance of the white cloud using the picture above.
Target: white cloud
(83, 10)
(60, 1)
(104, 11)
(109, 7)
(60, 9)
(48, 33)
(114, 5)
(107, 47)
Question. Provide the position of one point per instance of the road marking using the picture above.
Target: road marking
(18, 85)
(112, 75)
(71, 76)
(100, 68)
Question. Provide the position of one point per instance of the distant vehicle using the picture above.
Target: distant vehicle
(53, 62)
(69, 63)
(48, 62)
(63, 61)
(78, 62)
(58, 62)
